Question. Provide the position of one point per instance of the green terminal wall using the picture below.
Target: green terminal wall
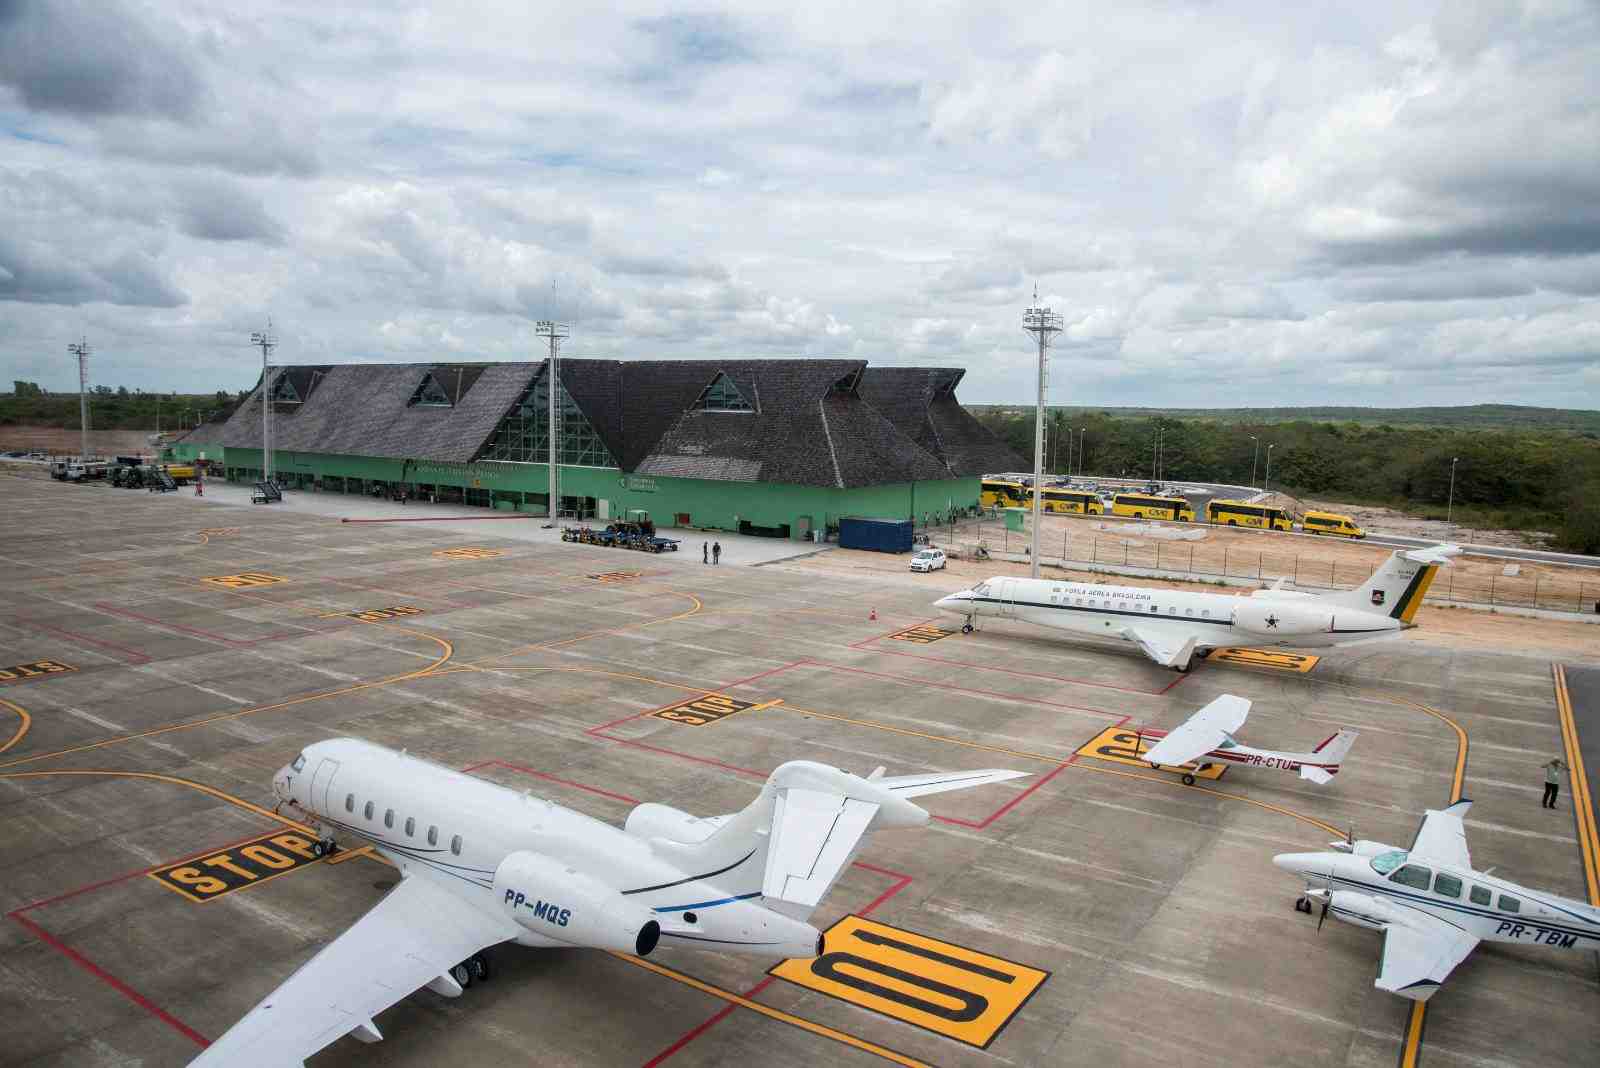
(707, 503)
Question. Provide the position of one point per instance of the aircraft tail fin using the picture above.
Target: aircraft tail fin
(1331, 753)
(1399, 584)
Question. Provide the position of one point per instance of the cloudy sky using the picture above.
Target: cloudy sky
(1229, 203)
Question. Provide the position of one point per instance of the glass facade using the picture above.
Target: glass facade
(523, 436)
(723, 396)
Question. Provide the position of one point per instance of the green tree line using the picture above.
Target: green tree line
(1530, 479)
(113, 408)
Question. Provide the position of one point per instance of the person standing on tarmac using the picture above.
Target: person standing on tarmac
(1552, 781)
(716, 552)
(705, 553)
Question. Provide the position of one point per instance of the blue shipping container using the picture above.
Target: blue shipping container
(879, 535)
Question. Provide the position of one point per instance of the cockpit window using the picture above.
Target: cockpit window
(299, 763)
(981, 590)
(1384, 863)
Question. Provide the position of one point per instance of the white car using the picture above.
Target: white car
(928, 560)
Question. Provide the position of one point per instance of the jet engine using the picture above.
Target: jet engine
(1272, 618)
(650, 820)
(557, 903)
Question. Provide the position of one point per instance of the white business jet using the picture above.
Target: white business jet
(482, 864)
(1431, 905)
(1207, 737)
(1172, 626)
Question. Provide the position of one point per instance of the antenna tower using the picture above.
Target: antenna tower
(555, 333)
(1044, 325)
(266, 341)
(81, 350)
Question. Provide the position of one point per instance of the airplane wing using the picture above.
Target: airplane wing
(814, 835)
(412, 937)
(1201, 732)
(1164, 649)
(939, 781)
(1442, 836)
(1418, 955)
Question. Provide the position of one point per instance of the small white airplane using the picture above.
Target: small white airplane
(1173, 626)
(1208, 734)
(482, 864)
(1432, 906)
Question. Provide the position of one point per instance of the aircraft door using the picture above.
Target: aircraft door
(321, 783)
(1007, 597)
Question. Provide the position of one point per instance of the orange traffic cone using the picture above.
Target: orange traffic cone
(873, 614)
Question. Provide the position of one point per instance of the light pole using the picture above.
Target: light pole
(1082, 430)
(1069, 450)
(1266, 481)
(1044, 325)
(266, 342)
(1449, 509)
(1253, 459)
(82, 350)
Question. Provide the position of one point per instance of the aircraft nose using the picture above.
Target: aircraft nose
(1298, 863)
(951, 603)
(280, 783)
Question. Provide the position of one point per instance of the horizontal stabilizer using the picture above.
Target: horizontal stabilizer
(1433, 554)
(1316, 775)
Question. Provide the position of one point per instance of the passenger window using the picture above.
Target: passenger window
(433, 835)
(1413, 876)
(388, 817)
(1188, 611)
(1206, 612)
(299, 763)
(1171, 611)
(1479, 896)
(349, 802)
(368, 813)
(1448, 885)
(455, 845)
(1509, 904)
(411, 826)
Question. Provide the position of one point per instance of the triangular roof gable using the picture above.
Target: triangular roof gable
(430, 393)
(723, 395)
(283, 391)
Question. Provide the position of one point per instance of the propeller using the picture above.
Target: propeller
(1324, 896)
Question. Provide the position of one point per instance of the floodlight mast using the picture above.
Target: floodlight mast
(81, 350)
(555, 333)
(266, 341)
(1044, 325)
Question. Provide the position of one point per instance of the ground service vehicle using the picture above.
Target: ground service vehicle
(1245, 514)
(1331, 523)
(1075, 501)
(1144, 506)
(182, 474)
(928, 560)
(1002, 493)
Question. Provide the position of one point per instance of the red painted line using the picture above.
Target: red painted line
(42, 902)
(902, 881)
(195, 631)
(680, 700)
(442, 519)
(135, 657)
(962, 689)
(112, 981)
(1014, 802)
(889, 634)
(1028, 674)
(683, 756)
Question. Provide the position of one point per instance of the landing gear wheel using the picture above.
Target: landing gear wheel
(1202, 654)
(478, 965)
(966, 628)
(462, 975)
(1188, 780)
(1182, 670)
(322, 847)
(1302, 905)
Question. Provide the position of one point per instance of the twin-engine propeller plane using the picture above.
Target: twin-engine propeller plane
(1173, 626)
(481, 864)
(1431, 905)
(1207, 737)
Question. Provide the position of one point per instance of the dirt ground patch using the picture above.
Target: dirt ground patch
(1389, 521)
(55, 439)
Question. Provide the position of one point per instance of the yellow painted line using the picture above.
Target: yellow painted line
(931, 737)
(351, 854)
(1588, 839)
(1179, 783)
(698, 605)
(157, 777)
(774, 1014)
(26, 721)
(1413, 1043)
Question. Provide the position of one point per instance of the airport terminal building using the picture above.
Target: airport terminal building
(778, 447)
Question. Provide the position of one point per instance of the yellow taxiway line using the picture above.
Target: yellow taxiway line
(25, 721)
(772, 1013)
(1582, 803)
(152, 776)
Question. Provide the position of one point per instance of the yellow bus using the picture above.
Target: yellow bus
(1074, 501)
(1331, 523)
(1144, 506)
(1245, 514)
(1006, 494)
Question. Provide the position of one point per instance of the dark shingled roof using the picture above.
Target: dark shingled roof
(810, 426)
(921, 402)
(363, 409)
